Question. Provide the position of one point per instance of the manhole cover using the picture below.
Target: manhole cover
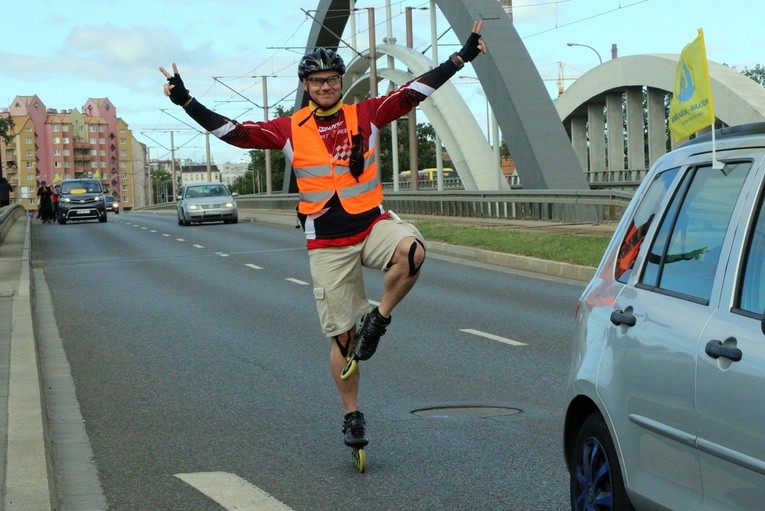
(439, 412)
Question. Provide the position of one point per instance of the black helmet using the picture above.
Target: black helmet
(320, 59)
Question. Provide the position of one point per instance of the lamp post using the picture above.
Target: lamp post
(590, 47)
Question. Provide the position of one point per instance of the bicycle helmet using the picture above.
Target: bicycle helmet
(320, 59)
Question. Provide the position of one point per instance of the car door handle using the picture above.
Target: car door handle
(620, 318)
(715, 349)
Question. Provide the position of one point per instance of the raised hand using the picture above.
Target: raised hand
(474, 45)
(174, 88)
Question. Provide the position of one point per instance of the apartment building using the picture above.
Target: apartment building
(50, 145)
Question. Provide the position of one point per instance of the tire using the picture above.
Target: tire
(103, 219)
(596, 482)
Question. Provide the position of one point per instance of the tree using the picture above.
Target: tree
(426, 149)
(160, 179)
(757, 73)
(6, 127)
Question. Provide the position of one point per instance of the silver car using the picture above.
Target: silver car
(666, 393)
(206, 202)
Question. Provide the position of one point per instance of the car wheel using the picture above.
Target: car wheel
(596, 478)
(103, 218)
(180, 222)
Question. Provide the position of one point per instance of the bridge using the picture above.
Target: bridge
(564, 144)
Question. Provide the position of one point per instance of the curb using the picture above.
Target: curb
(26, 475)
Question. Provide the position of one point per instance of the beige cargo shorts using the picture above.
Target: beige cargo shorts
(338, 283)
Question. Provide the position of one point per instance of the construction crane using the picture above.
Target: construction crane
(560, 78)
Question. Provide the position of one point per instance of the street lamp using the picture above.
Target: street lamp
(590, 47)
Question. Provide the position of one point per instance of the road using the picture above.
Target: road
(201, 375)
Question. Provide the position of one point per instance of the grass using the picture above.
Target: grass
(585, 250)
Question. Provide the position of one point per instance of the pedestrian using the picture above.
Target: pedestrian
(331, 147)
(5, 192)
(45, 204)
(54, 200)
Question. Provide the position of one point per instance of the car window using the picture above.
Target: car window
(641, 221)
(751, 295)
(684, 254)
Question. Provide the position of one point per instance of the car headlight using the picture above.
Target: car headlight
(193, 206)
(100, 198)
(228, 205)
(65, 199)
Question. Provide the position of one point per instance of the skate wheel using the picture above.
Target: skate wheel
(360, 460)
(349, 369)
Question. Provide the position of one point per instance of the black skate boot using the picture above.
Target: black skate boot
(354, 427)
(372, 328)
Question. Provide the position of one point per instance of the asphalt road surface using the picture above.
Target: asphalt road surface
(202, 379)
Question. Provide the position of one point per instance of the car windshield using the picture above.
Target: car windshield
(80, 187)
(206, 191)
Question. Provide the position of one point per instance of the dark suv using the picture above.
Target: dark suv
(81, 199)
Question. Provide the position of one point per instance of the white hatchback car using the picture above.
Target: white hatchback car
(666, 393)
(206, 202)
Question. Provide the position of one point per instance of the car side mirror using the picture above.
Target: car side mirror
(762, 322)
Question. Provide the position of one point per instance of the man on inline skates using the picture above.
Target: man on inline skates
(331, 146)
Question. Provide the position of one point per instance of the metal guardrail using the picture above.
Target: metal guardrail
(570, 206)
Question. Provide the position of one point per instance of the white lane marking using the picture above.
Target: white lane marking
(166, 235)
(492, 337)
(179, 239)
(232, 492)
(222, 254)
(254, 266)
(296, 281)
(152, 230)
(198, 246)
(145, 228)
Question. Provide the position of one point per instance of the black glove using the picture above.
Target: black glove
(179, 94)
(471, 50)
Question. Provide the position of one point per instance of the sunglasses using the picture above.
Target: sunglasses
(319, 82)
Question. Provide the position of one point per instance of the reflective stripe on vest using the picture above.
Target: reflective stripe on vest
(319, 176)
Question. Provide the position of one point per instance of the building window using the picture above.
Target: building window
(101, 128)
(93, 141)
(102, 141)
(29, 140)
(57, 152)
(56, 127)
(92, 128)
(66, 140)
(65, 127)
(30, 152)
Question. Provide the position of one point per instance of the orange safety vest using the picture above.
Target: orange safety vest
(319, 175)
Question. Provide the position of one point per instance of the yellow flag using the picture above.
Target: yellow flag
(692, 107)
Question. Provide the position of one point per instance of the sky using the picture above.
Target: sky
(68, 51)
